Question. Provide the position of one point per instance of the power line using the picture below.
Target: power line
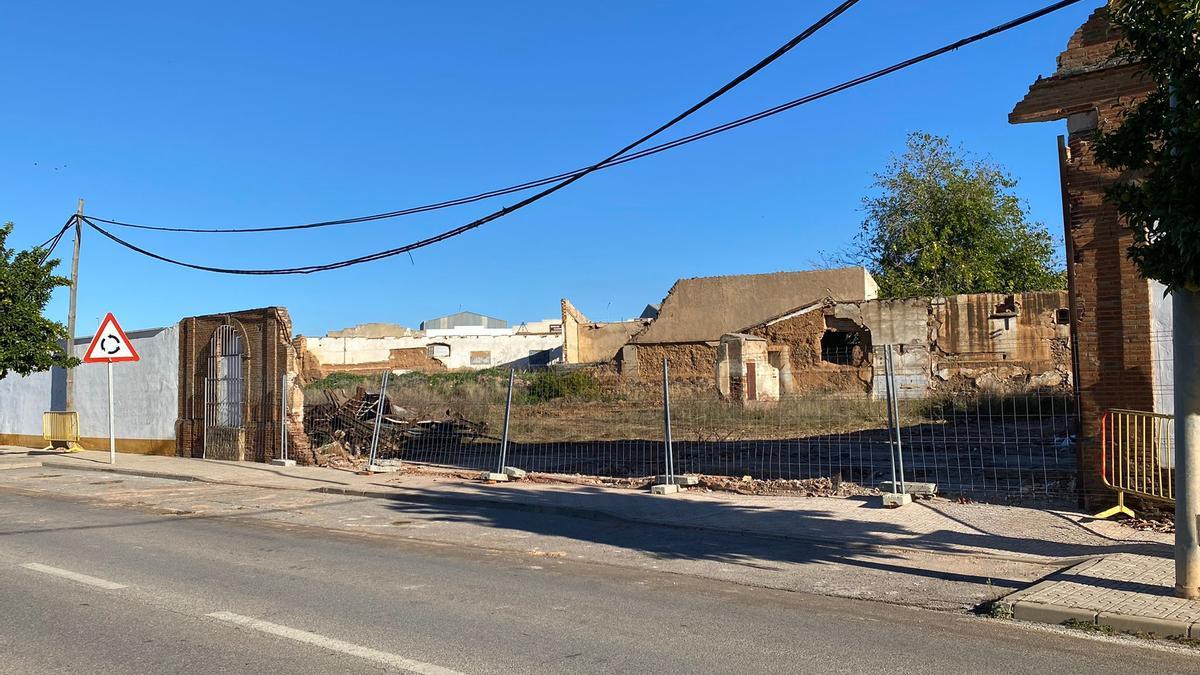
(52, 243)
(614, 160)
(568, 177)
(725, 88)
(653, 150)
(58, 235)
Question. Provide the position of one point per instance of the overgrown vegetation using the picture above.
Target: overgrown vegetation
(547, 385)
(451, 379)
(581, 405)
(944, 223)
(1089, 626)
(995, 609)
(1158, 142)
(339, 381)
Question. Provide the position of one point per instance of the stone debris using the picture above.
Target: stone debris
(345, 428)
(1160, 523)
(810, 487)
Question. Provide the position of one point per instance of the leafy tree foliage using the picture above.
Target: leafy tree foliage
(944, 223)
(29, 342)
(1158, 141)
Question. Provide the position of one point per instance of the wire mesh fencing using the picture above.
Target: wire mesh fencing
(985, 440)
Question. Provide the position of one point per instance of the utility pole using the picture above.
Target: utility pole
(1185, 317)
(71, 309)
(1185, 328)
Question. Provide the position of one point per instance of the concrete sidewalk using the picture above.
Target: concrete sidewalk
(938, 526)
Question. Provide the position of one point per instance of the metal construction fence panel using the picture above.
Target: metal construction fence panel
(1018, 440)
(1137, 453)
(60, 426)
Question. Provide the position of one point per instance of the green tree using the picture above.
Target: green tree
(1158, 141)
(29, 342)
(944, 223)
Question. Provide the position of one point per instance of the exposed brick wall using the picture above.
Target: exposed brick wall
(268, 355)
(1111, 301)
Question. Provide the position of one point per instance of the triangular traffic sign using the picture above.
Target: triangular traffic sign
(110, 344)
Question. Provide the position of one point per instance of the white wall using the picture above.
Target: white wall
(24, 399)
(145, 392)
(505, 349)
(1162, 353)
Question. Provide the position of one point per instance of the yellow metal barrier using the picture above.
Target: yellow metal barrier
(62, 427)
(1137, 456)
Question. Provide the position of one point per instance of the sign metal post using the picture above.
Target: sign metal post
(110, 345)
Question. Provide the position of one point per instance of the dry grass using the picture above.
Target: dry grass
(613, 410)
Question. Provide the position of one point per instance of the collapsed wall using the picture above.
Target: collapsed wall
(988, 342)
(587, 341)
(984, 342)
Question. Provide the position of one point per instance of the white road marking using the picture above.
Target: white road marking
(332, 644)
(73, 576)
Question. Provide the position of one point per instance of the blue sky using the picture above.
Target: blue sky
(224, 114)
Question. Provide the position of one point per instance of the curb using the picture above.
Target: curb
(144, 473)
(19, 465)
(1059, 615)
(398, 495)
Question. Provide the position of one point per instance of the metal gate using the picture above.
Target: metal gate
(224, 397)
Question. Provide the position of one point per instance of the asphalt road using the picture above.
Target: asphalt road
(211, 595)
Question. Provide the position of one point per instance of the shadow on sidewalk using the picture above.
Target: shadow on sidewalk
(733, 533)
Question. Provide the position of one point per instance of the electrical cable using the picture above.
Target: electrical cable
(61, 230)
(52, 243)
(721, 91)
(570, 176)
(653, 150)
(573, 176)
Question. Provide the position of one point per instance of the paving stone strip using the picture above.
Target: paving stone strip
(1127, 592)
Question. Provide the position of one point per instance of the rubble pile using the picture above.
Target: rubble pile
(809, 487)
(341, 429)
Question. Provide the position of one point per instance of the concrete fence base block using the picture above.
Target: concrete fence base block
(1126, 623)
(381, 468)
(494, 477)
(514, 473)
(682, 481)
(894, 500)
(283, 462)
(911, 488)
(667, 489)
(1055, 614)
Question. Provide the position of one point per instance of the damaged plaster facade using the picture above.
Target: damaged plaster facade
(432, 350)
(985, 342)
(745, 373)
